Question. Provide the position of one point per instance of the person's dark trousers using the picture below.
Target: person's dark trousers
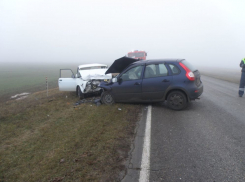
(242, 84)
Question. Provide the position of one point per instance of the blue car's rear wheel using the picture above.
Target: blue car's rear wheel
(176, 100)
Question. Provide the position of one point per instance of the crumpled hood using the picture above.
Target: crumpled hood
(98, 74)
(120, 64)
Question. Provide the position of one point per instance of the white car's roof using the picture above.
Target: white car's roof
(90, 65)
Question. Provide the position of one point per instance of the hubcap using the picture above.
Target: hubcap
(176, 100)
(108, 98)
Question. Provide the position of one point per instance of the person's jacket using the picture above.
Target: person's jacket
(242, 65)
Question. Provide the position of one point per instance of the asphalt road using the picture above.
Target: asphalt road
(205, 142)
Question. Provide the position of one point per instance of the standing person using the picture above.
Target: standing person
(242, 81)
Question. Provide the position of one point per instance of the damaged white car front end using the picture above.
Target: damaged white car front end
(85, 81)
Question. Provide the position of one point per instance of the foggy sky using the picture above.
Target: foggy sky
(205, 32)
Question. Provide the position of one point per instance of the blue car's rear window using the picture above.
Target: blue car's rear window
(188, 65)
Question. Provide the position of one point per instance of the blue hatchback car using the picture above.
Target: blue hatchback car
(173, 80)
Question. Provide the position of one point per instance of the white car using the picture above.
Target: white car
(86, 80)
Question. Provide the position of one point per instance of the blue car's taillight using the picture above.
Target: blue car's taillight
(189, 74)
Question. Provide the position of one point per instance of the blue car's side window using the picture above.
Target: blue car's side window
(151, 71)
(175, 70)
(132, 74)
(155, 70)
(163, 71)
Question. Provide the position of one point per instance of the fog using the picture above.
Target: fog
(205, 32)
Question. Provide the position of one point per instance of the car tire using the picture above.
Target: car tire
(177, 100)
(79, 93)
(107, 98)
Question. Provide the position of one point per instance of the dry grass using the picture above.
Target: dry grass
(48, 139)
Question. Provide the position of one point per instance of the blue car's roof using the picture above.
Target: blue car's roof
(156, 61)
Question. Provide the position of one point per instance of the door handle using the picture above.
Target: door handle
(137, 83)
(165, 80)
(60, 80)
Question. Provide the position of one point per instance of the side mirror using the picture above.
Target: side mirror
(73, 76)
(114, 80)
(76, 76)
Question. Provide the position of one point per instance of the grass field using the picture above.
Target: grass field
(49, 139)
(18, 78)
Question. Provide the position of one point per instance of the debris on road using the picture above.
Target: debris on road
(94, 100)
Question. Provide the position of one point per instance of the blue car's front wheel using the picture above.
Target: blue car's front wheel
(107, 98)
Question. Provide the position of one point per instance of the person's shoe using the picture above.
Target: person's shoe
(240, 95)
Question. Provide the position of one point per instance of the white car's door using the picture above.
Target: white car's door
(67, 84)
(67, 80)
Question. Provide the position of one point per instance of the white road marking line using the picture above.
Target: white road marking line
(145, 162)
